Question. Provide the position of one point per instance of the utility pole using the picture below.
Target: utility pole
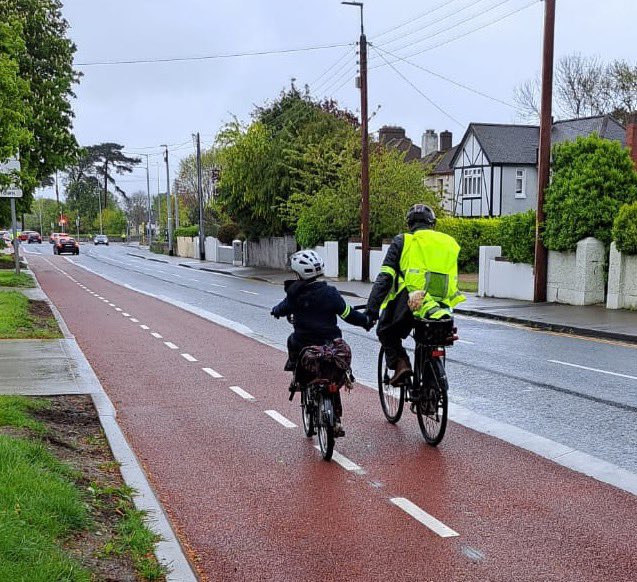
(150, 211)
(202, 236)
(544, 154)
(169, 218)
(364, 149)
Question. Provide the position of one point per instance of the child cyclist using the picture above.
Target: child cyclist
(314, 305)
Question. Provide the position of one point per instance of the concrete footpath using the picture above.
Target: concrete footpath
(591, 321)
(58, 367)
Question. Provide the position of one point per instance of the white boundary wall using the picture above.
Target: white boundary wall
(622, 280)
(329, 252)
(216, 252)
(577, 278)
(355, 261)
(188, 247)
(503, 279)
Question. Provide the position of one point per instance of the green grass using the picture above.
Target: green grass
(10, 279)
(16, 321)
(14, 412)
(39, 505)
(468, 286)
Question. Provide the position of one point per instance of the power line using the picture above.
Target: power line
(343, 56)
(418, 90)
(212, 57)
(337, 73)
(433, 73)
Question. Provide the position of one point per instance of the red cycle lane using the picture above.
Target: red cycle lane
(253, 500)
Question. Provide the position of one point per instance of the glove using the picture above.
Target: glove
(370, 323)
(275, 313)
(372, 318)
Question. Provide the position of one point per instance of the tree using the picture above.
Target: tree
(46, 65)
(43, 216)
(584, 86)
(592, 178)
(113, 221)
(106, 158)
(136, 208)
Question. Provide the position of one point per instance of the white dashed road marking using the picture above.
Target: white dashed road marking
(171, 345)
(125, 314)
(280, 419)
(134, 320)
(118, 309)
(155, 334)
(144, 326)
(594, 370)
(212, 372)
(111, 304)
(188, 357)
(248, 292)
(344, 462)
(423, 517)
(242, 392)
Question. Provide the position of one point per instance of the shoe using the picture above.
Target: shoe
(403, 369)
(339, 431)
(290, 366)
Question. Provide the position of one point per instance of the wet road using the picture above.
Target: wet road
(578, 392)
(206, 411)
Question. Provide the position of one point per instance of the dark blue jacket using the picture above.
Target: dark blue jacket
(315, 306)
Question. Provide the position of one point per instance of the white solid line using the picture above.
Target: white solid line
(594, 370)
(188, 357)
(125, 314)
(212, 372)
(241, 392)
(344, 462)
(118, 309)
(134, 320)
(155, 334)
(171, 345)
(144, 326)
(423, 517)
(248, 292)
(280, 419)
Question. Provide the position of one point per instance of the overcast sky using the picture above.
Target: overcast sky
(145, 105)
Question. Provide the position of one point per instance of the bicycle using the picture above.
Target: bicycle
(427, 390)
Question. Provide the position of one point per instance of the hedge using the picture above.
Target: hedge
(625, 229)
(188, 231)
(471, 234)
(517, 237)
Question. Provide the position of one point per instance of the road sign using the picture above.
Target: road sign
(12, 166)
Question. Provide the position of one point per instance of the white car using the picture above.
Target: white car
(100, 239)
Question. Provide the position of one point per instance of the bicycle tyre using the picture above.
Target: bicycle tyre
(432, 410)
(307, 415)
(392, 406)
(325, 436)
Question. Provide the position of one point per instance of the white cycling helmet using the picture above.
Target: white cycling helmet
(307, 264)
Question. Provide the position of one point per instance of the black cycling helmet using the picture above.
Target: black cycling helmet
(421, 214)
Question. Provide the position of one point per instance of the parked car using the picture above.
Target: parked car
(54, 236)
(33, 237)
(100, 239)
(24, 235)
(66, 244)
(5, 235)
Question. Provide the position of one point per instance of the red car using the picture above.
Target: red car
(66, 244)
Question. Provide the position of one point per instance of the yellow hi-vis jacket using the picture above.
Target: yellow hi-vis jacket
(429, 263)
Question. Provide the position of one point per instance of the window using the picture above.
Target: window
(520, 183)
(472, 183)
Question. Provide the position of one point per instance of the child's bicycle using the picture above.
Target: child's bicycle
(427, 390)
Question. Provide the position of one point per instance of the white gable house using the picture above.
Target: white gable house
(495, 166)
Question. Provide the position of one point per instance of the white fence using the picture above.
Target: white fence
(355, 261)
(622, 280)
(329, 253)
(500, 278)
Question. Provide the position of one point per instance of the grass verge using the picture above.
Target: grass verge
(21, 318)
(468, 286)
(9, 279)
(65, 513)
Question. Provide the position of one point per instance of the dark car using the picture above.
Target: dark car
(34, 237)
(66, 244)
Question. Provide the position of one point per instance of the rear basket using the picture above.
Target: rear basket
(434, 333)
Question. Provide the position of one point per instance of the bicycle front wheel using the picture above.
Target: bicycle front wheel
(307, 414)
(432, 409)
(326, 429)
(392, 398)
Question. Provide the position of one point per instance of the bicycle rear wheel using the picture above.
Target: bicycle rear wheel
(326, 429)
(308, 414)
(433, 407)
(392, 398)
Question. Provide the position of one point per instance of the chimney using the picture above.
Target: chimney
(631, 135)
(429, 142)
(389, 132)
(446, 141)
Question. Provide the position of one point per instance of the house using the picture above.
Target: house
(394, 137)
(495, 166)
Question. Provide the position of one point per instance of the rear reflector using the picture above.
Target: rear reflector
(438, 353)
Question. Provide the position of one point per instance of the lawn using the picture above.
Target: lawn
(10, 279)
(65, 513)
(21, 318)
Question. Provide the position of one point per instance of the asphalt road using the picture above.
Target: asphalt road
(579, 392)
(206, 410)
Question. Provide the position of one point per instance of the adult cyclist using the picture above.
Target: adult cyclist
(419, 260)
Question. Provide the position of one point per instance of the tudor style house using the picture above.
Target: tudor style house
(495, 166)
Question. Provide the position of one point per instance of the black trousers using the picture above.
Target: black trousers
(394, 326)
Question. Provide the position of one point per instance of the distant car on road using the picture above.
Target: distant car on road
(5, 235)
(31, 236)
(54, 236)
(66, 244)
(100, 239)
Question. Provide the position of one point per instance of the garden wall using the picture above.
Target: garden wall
(622, 280)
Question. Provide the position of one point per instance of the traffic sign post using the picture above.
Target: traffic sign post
(16, 240)
(12, 191)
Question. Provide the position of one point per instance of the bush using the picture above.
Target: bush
(161, 248)
(625, 229)
(517, 237)
(592, 179)
(228, 232)
(188, 231)
(471, 234)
